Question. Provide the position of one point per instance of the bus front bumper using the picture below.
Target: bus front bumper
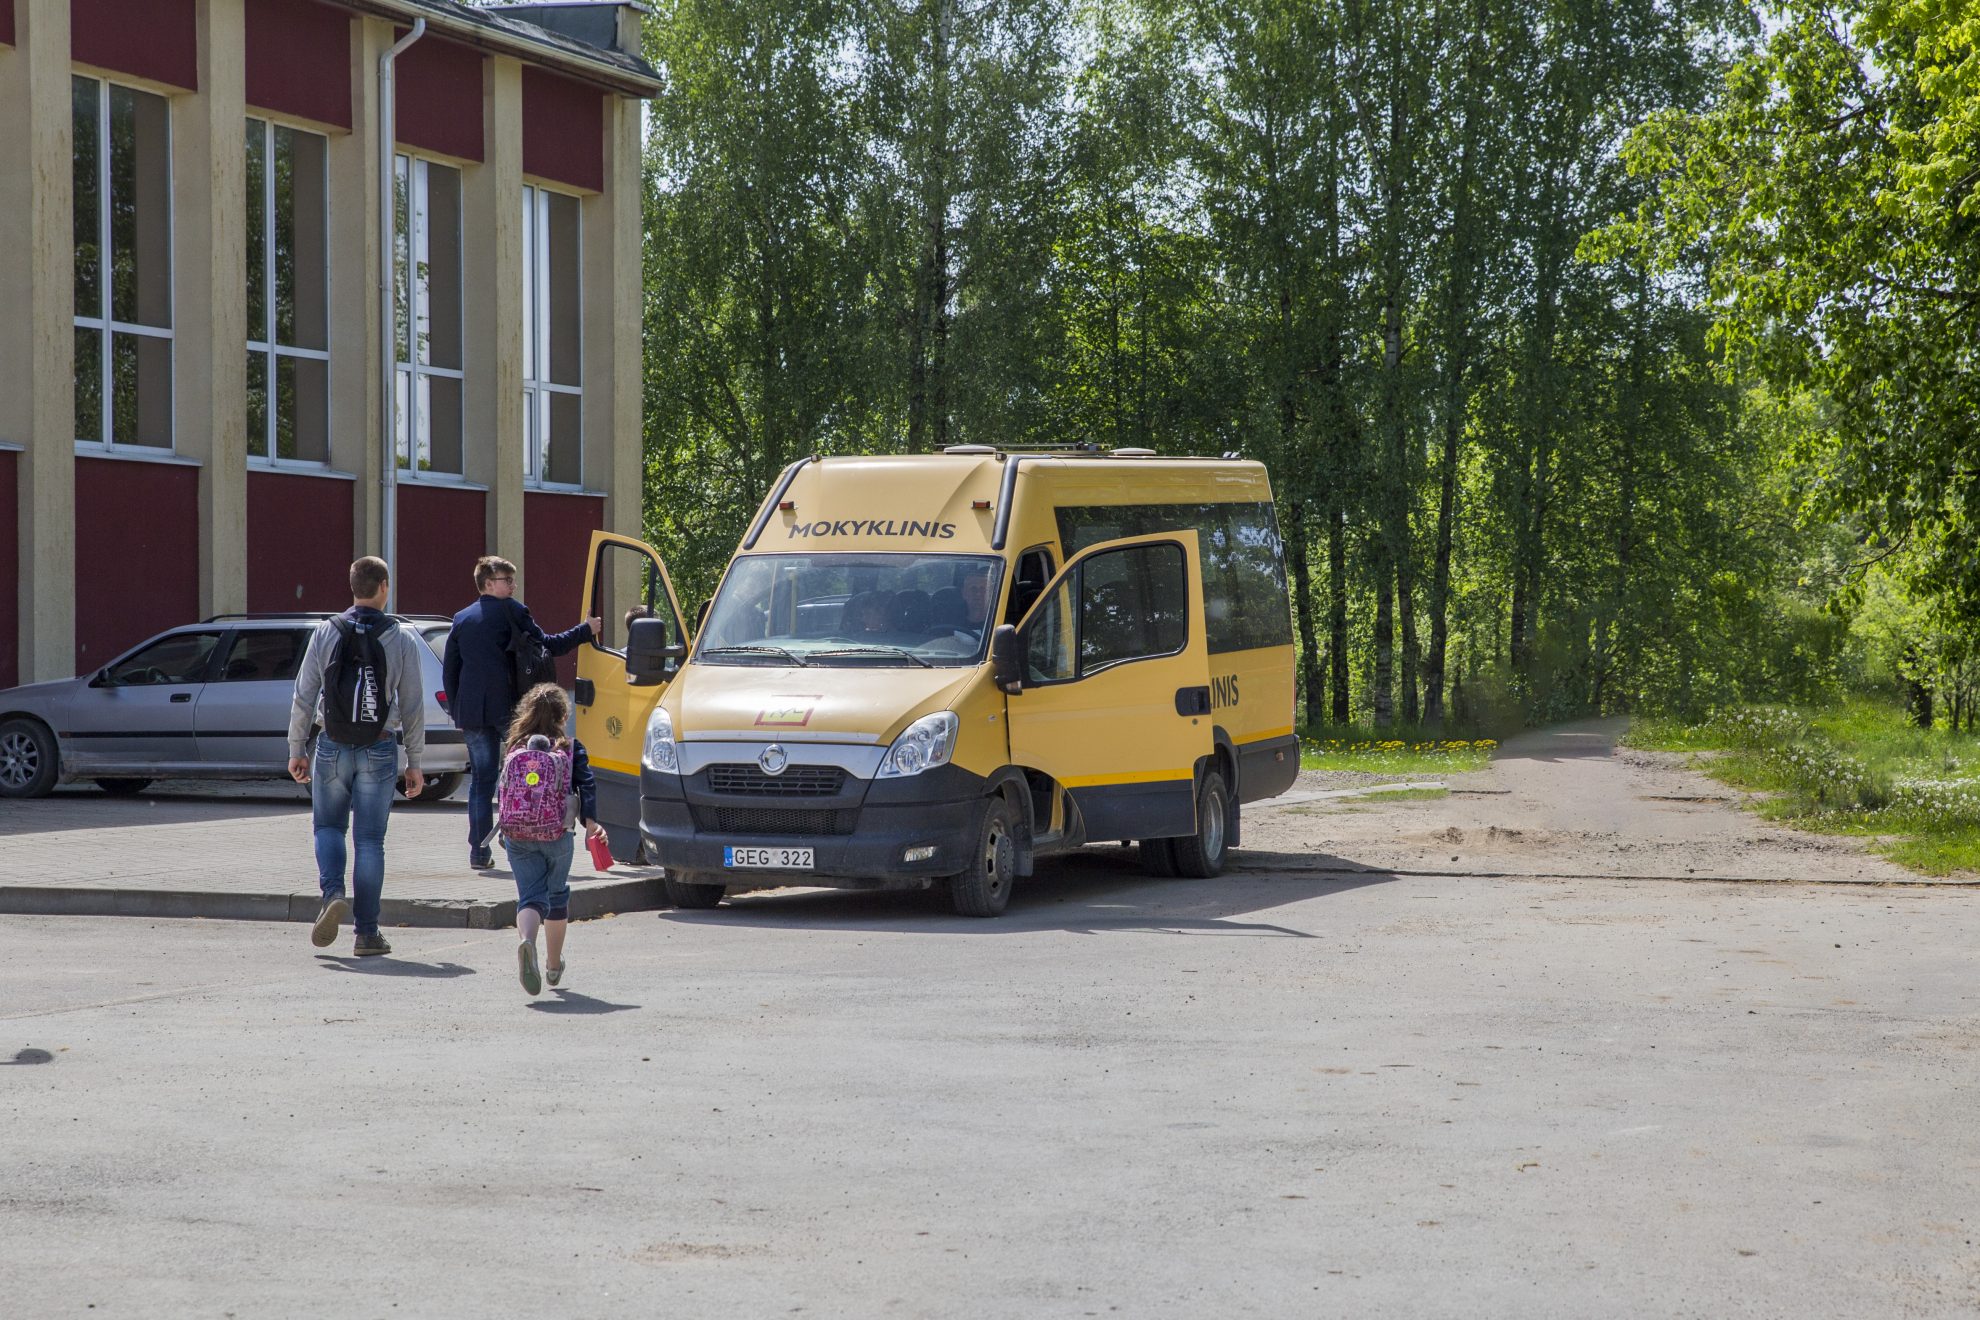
(903, 834)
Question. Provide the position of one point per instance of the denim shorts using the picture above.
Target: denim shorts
(543, 875)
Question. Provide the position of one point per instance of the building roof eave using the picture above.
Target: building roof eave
(502, 34)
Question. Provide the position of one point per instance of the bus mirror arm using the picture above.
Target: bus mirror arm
(1005, 659)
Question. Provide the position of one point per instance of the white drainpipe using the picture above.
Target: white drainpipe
(388, 478)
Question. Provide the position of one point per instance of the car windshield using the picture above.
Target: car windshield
(436, 636)
(870, 610)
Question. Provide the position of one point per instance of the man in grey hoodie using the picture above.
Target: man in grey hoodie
(359, 679)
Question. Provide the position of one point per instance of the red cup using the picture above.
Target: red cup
(601, 852)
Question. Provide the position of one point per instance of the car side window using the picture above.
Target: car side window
(261, 655)
(1048, 649)
(175, 658)
(1132, 606)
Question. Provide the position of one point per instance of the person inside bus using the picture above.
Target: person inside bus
(910, 612)
(868, 613)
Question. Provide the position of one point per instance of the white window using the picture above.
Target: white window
(553, 340)
(427, 311)
(288, 343)
(123, 243)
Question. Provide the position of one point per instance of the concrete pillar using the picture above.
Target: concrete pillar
(355, 445)
(493, 266)
(210, 302)
(37, 350)
(614, 283)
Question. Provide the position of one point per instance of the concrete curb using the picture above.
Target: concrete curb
(587, 901)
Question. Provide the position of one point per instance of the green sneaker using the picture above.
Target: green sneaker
(371, 946)
(324, 933)
(532, 980)
(554, 973)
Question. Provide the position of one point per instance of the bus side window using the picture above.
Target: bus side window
(1034, 571)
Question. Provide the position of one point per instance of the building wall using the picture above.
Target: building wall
(558, 530)
(104, 550)
(10, 560)
(440, 537)
(137, 542)
(299, 547)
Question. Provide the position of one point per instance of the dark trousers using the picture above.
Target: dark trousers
(484, 745)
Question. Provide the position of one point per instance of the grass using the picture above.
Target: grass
(1856, 769)
(1404, 795)
(1399, 753)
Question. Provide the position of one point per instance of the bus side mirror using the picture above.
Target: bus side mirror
(649, 657)
(1007, 659)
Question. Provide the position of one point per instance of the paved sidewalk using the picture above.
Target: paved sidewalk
(244, 851)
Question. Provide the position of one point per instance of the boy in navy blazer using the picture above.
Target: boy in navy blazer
(481, 685)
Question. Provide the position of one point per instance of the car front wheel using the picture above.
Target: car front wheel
(28, 764)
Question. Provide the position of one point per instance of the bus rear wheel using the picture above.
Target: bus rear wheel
(1201, 855)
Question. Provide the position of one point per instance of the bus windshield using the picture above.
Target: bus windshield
(869, 610)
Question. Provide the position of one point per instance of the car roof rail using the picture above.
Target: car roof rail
(285, 614)
(322, 614)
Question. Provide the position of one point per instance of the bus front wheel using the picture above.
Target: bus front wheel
(983, 887)
(685, 892)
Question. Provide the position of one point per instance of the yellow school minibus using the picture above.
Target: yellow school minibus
(938, 668)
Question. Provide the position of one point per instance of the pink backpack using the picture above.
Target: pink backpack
(536, 783)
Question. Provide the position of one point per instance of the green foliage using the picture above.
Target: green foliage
(1345, 239)
(1831, 195)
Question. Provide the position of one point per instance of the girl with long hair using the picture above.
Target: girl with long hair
(543, 867)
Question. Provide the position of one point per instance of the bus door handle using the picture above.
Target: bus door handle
(1193, 700)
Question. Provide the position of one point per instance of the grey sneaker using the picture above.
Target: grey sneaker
(532, 980)
(324, 933)
(370, 946)
(554, 972)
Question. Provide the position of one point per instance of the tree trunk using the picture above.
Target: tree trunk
(1385, 642)
(1337, 632)
(1309, 641)
(1457, 370)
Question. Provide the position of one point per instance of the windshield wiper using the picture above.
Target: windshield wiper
(752, 650)
(875, 650)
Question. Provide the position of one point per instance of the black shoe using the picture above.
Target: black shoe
(324, 933)
(370, 946)
(481, 859)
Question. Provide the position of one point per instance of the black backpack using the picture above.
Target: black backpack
(357, 694)
(530, 659)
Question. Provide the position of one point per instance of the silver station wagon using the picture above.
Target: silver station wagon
(206, 701)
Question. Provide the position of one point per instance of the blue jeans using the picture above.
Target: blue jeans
(543, 875)
(484, 745)
(353, 786)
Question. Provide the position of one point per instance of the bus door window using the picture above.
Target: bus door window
(1034, 571)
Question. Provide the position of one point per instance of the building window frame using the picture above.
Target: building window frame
(102, 321)
(540, 390)
(262, 341)
(413, 172)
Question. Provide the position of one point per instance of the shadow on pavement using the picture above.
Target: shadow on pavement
(387, 965)
(570, 1001)
(1098, 891)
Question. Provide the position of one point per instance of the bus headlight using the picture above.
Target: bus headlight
(660, 751)
(927, 742)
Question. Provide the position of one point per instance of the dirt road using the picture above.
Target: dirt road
(1563, 802)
